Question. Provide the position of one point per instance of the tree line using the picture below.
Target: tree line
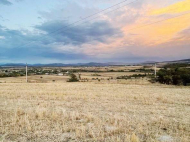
(175, 75)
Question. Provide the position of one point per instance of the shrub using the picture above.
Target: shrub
(132, 76)
(73, 78)
(175, 76)
(96, 74)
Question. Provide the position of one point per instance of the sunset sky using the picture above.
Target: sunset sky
(41, 31)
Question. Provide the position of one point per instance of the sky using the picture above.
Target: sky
(73, 31)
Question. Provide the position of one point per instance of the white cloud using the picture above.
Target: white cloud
(2, 37)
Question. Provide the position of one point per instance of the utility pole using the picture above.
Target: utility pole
(26, 73)
(155, 70)
(79, 76)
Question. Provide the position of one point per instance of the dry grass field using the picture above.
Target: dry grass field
(93, 111)
(35, 79)
(62, 79)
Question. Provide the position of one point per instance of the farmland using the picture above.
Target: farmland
(61, 74)
(130, 110)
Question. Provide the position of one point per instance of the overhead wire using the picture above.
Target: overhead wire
(67, 27)
(84, 19)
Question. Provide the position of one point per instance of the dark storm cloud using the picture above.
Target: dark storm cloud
(77, 35)
(5, 2)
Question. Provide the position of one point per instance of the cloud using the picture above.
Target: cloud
(5, 2)
(159, 32)
(178, 7)
(3, 19)
(172, 27)
(18, 45)
(61, 31)
(2, 37)
(107, 38)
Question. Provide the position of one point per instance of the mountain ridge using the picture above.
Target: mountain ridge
(89, 64)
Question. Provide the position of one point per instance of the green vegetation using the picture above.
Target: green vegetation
(174, 76)
(142, 70)
(177, 65)
(96, 74)
(133, 76)
(12, 74)
(16, 72)
(73, 78)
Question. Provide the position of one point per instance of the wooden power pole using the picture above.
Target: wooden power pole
(155, 70)
(26, 73)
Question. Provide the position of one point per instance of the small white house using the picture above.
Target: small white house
(60, 74)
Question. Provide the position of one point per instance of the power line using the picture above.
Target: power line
(139, 26)
(67, 27)
(115, 9)
(88, 17)
(105, 9)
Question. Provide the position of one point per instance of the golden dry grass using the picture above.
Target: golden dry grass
(35, 79)
(93, 112)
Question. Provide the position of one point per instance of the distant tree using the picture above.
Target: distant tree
(55, 71)
(73, 78)
(177, 80)
(168, 79)
(175, 76)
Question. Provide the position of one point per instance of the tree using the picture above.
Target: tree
(175, 76)
(176, 79)
(168, 79)
(73, 78)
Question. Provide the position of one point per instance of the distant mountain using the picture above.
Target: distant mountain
(179, 61)
(90, 64)
(148, 62)
(13, 65)
(166, 62)
(61, 64)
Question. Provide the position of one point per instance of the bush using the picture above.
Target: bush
(173, 76)
(73, 78)
(132, 76)
(177, 65)
(96, 74)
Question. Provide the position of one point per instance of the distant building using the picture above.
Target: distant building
(60, 74)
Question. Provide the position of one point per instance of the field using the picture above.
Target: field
(98, 73)
(94, 111)
(62, 79)
(98, 108)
